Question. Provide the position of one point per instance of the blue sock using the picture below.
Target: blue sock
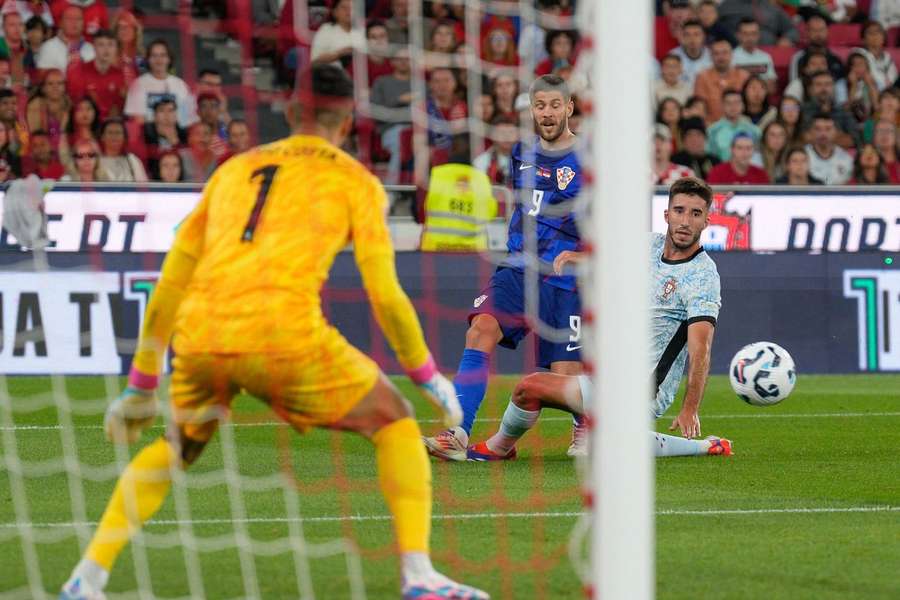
(471, 382)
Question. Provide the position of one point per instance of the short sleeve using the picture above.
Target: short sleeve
(368, 221)
(704, 297)
(136, 100)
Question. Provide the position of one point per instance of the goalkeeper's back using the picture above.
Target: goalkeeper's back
(265, 234)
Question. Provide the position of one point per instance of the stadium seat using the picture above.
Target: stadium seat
(842, 52)
(844, 34)
(781, 58)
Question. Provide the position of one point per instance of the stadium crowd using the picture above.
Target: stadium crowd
(793, 92)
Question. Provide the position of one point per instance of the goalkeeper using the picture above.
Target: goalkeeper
(240, 291)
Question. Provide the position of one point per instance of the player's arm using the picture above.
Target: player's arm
(374, 254)
(699, 343)
(567, 257)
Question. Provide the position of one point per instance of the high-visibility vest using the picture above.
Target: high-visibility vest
(458, 207)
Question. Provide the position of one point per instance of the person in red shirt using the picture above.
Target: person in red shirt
(667, 27)
(41, 159)
(13, 48)
(96, 17)
(738, 170)
(102, 79)
(378, 51)
(560, 47)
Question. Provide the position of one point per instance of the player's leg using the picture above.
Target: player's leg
(200, 396)
(665, 445)
(532, 393)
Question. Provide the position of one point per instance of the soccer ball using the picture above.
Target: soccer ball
(762, 374)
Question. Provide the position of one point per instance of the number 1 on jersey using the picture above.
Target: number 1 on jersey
(536, 199)
(268, 174)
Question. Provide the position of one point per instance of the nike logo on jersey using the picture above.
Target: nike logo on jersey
(524, 166)
(571, 348)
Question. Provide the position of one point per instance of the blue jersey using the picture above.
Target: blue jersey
(681, 292)
(545, 184)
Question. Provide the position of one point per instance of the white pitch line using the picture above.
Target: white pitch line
(761, 415)
(478, 516)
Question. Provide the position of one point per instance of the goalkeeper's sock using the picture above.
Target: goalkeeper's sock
(471, 383)
(516, 422)
(404, 475)
(672, 445)
(139, 493)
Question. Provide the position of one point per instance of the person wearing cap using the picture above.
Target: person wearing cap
(693, 152)
(722, 132)
(209, 109)
(665, 172)
(712, 82)
(738, 170)
(102, 79)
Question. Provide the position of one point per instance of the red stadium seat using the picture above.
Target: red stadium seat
(842, 52)
(781, 57)
(844, 34)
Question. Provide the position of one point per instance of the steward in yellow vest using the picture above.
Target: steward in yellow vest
(458, 207)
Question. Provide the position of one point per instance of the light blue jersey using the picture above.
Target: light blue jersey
(681, 292)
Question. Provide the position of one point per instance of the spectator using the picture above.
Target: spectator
(7, 155)
(775, 26)
(499, 48)
(838, 11)
(6, 173)
(708, 15)
(669, 113)
(209, 81)
(36, 33)
(797, 169)
(670, 85)
(772, 149)
(398, 24)
(13, 47)
(443, 38)
(35, 8)
(118, 163)
(169, 168)
(531, 48)
(868, 167)
(828, 162)
(42, 160)
(668, 28)
(496, 160)
(94, 14)
(69, 45)
(748, 55)
(163, 132)
(861, 89)
(130, 33)
(884, 71)
(485, 107)
(446, 113)
(694, 54)
(335, 40)
(816, 62)
(9, 116)
(377, 51)
(721, 76)
(197, 159)
(208, 111)
(560, 50)
(822, 100)
(238, 138)
(756, 102)
(885, 140)
(694, 107)
(693, 152)
(505, 90)
(85, 165)
(664, 171)
(48, 108)
(158, 83)
(83, 122)
(392, 95)
(817, 43)
(102, 79)
(738, 170)
(888, 110)
(723, 131)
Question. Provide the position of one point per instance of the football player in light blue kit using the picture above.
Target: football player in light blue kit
(684, 305)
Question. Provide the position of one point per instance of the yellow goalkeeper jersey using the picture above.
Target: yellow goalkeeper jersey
(265, 234)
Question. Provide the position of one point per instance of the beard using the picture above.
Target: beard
(695, 237)
(555, 134)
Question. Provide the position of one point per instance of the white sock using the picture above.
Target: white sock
(89, 571)
(415, 566)
(672, 445)
(516, 422)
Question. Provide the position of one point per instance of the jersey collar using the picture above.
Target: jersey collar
(681, 261)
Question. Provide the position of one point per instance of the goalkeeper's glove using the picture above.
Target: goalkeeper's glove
(132, 412)
(439, 391)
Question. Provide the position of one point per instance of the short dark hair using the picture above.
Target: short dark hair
(794, 150)
(6, 93)
(692, 23)
(208, 71)
(692, 186)
(869, 25)
(327, 90)
(167, 99)
(234, 122)
(373, 24)
(39, 133)
(107, 34)
(820, 73)
(822, 116)
(550, 83)
(552, 35)
(747, 21)
(35, 22)
(720, 40)
(164, 44)
(670, 56)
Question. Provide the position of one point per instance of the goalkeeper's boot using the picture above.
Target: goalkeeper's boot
(481, 453)
(580, 435)
(719, 446)
(449, 444)
(439, 587)
(77, 588)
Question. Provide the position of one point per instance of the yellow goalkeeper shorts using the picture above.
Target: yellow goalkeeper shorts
(306, 389)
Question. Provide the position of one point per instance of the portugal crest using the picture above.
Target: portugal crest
(669, 288)
(479, 300)
(564, 176)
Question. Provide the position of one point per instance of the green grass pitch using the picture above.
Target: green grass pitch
(809, 507)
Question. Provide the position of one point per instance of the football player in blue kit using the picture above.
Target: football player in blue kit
(546, 177)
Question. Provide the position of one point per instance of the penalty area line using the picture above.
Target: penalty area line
(477, 516)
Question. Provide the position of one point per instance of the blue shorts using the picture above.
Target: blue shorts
(504, 299)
